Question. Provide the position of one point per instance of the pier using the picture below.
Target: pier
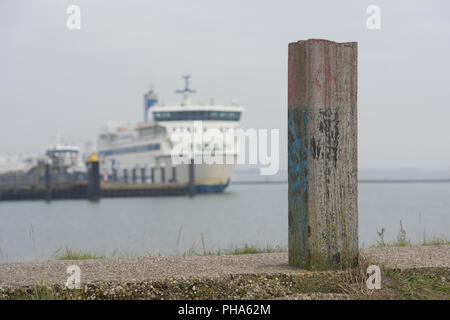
(92, 187)
(80, 191)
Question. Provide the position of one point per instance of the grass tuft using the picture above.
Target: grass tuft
(403, 241)
(70, 254)
(436, 241)
(252, 249)
(420, 284)
(37, 292)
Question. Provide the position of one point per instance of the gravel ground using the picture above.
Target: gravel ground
(317, 296)
(145, 268)
(254, 276)
(409, 257)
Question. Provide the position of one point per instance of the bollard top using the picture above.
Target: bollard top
(93, 158)
(303, 42)
(322, 74)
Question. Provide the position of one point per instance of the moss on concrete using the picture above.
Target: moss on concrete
(246, 286)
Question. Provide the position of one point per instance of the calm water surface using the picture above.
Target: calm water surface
(245, 214)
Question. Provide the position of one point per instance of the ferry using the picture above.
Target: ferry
(144, 149)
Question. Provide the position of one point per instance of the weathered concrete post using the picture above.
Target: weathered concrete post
(322, 138)
(93, 187)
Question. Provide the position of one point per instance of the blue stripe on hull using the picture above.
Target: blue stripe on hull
(212, 188)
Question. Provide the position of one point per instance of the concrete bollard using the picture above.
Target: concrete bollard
(93, 188)
(322, 144)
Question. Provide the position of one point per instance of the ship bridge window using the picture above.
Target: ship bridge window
(197, 116)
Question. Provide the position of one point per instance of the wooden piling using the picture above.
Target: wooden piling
(163, 174)
(322, 138)
(174, 175)
(114, 175)
(191, 185)
(125, 175)
(48, 182)
(152, 175)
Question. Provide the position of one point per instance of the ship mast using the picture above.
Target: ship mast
(186, 91)
(150, 99)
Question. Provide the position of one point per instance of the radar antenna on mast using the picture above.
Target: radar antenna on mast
(186, 85)
(186, 91)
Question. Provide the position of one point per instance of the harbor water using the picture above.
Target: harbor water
(253, 214)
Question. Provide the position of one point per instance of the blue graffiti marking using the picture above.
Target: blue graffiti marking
(298, 163)
(298, 166)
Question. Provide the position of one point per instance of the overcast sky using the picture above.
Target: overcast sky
(56, 80)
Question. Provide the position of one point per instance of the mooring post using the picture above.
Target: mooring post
(191, 184)
(133, 175)
(322, 144)
(174, 174)
(163, 174)
(125, 175)
(93, 188)
(143, 177)
(114, 175)
(152, 175)
(48, 182)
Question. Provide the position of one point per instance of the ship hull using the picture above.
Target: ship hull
(148, 168)
(214, 178)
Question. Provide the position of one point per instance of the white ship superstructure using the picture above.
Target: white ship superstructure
(29, 170)
(66, 157)
(125, 149)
